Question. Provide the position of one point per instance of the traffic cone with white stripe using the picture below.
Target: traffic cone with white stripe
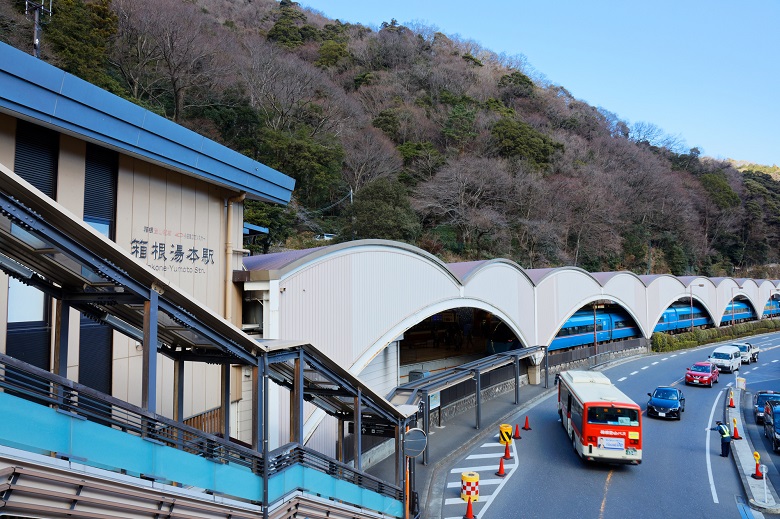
(501, 472)
(469, 511)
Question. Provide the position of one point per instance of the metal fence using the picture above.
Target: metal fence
(20, 379)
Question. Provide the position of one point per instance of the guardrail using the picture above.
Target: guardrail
(22, 380)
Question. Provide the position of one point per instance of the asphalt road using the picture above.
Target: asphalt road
(682, 474)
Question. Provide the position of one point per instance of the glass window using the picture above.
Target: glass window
(25, 303)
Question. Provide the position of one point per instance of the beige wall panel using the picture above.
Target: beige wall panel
(120, 378)
(164, 386)
(126, 192)
(70, 174)
(7, 140)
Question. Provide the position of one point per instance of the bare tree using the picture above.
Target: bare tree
(470, 195)
(368, 155)
(136, 54)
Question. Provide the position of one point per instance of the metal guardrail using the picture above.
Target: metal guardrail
(590, 353)
(20, 379)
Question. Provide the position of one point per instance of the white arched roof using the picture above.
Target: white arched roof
(352, 299)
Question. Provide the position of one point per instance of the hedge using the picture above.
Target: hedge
(664, 342)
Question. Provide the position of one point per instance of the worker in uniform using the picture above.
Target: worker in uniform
(725, 438)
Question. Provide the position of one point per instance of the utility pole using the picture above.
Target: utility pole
(37, 8)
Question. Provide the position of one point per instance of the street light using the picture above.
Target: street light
(690, 288)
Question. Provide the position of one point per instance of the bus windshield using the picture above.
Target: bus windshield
(613, 416)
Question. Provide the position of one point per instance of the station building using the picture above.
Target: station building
(169, 197)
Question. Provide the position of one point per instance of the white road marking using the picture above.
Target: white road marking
(486, 468)
(645, 367)
(622, 379)
(457, 484)
(495, 455)
(674, 355)
(707, 450)
(774, 360)
(654, 363)
(634, 372)
(665, 358)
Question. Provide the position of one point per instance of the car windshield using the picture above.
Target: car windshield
(742, 347)
(762, 398)
(665, 394)
(720, 355)
(700, 368)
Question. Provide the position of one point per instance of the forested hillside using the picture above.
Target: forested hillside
(408, 134)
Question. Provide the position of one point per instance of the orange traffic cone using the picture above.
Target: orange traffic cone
(469, 511)
(526, 427)
(758, 474)
(517, 432)
(736, 435)
(501, 472)
(731, 400)
(507, 454)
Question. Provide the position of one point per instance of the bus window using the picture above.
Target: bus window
(613, 416)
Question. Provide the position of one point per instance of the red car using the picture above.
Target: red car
(702, 374)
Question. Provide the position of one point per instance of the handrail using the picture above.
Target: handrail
(25, 381)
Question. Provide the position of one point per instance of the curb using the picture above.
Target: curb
(749, 485)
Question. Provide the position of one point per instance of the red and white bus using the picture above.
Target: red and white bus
(602, 423)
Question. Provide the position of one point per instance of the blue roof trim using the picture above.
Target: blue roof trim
(254, 229)
(35, 89)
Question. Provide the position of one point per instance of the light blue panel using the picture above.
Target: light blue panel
(111, 448)
(31, 426)
(238, 481)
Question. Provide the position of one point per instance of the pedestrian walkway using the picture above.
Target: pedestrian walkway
(453, 440)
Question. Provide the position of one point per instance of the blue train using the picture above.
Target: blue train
(615, 324)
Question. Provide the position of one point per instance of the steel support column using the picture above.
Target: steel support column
(226, 400)
(149, 376)
(478, 395)
(62, 319)
(426, 409)
(296, 406)
(358, 443)
(516, 364)
(178, 390)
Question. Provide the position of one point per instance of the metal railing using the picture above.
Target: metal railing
(20, 379)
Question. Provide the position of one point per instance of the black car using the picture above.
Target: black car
(666, 402)
(759, 399)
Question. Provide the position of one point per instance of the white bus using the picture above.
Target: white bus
(602, 423)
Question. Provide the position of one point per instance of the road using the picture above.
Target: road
(682, 474)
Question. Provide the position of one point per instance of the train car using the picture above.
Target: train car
(579, 329)
(616, 324)
(677, 318)
(772, 308)
(738, 312)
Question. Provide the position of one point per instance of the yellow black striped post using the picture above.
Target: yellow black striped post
(505, 434)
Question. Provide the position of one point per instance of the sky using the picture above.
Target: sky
(707, 72)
